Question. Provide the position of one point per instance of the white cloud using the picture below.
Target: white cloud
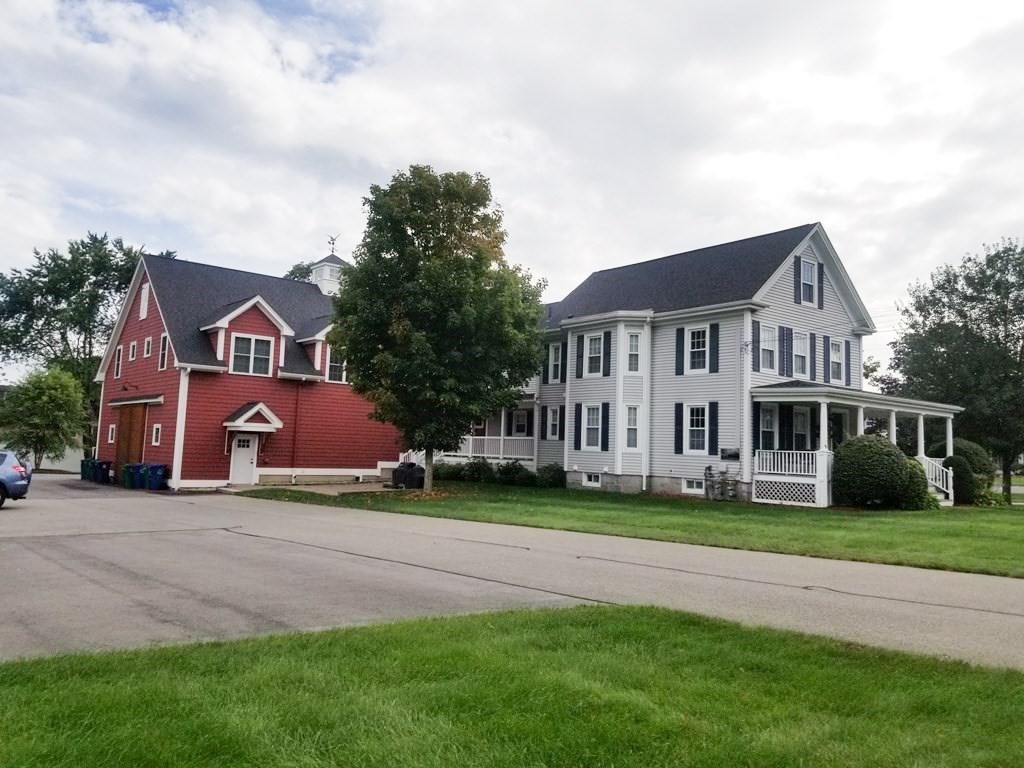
(612, 132)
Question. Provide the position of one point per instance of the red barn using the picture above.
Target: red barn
(226, 377)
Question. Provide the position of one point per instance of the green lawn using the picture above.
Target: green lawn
(989, 540)
(582, 687)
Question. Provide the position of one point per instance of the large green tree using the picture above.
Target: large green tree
(61, 310)
(43, 415)
(962, 342)
(438, 330)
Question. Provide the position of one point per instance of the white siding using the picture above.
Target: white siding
(591, 390)
(668, 389)
(833, 320)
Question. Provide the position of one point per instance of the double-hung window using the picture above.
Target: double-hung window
(768, 348)
(336, 366)
(632, 426)
(800, 354)
(769, 426)
(162, 359)
(698, 353)
(594, 355)
(555, 364)
(553, 423)
(836, 361)
(592, 413)
(118, 353)
(808, 284)
(251, 355)
(697, 429)
(519, 423)
(633, 363)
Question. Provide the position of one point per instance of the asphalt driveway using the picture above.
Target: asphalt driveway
(90, 567)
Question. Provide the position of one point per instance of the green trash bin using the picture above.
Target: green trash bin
(128, 476)
(87, 465)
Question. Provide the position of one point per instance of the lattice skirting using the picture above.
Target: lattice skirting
(785, 492)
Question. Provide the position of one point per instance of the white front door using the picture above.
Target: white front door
(243, 458)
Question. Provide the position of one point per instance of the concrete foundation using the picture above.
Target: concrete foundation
(609, 482)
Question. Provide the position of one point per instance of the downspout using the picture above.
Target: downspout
(295, 428)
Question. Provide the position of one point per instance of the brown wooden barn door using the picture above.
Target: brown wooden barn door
(131, 431)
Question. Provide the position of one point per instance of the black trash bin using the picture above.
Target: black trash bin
(103, 471)
(416, 476)
(404, 475)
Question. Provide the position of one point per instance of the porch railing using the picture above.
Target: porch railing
(938, 475)
(804, 463)
(496, 447)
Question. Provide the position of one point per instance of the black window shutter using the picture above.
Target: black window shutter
(679, 427)
(606, 350)
(547, 362)
(757, 426)
(826, 375)
(605, 413)
(789, 352)
(680, 351)
(815, 428)
(565, 359)
(713, 348)
(579, 356)
(544, 422)
(797, 288)
(578, 426)
(561, 422)
(846, 367)
(755, 358)
(509, 423)
(713, 428)
(783, 355)
(785, 427)
(529, 423)
(812, 351)
(821, 285)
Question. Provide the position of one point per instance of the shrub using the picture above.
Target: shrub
(478, 470)
(986, 497)
(965, 485)
(514, 473)
(551, 476)
(977, 457)
(869, 471)
(915, 493)
(444, 471)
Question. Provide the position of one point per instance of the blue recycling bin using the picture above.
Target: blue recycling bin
(157, 476)
(139, 475)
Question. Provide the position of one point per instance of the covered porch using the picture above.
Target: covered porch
(796, 427)
(505, 436)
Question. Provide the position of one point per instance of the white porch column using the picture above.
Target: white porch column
(501, 437)
(892, 427)
(920, 434)
(949, 435)
(823, 426)
(860, 419)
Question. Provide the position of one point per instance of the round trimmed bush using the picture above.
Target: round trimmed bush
(869, 471)
(977, 457)
(915, 490)
(478, 470)
(965, 486)
(551, 476)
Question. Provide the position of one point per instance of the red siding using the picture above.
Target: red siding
(332, 429)
(141, 377)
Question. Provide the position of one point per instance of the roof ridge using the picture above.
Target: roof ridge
(704, 248)
(226, 269)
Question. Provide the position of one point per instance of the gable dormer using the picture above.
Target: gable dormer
(249, 335)
(326, 274)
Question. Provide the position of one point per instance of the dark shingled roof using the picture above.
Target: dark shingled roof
(241, 410)
(331, 259)
(192, 295)
(716, 275)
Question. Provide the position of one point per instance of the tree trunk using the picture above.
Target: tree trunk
(428, 466)
(1008, 460)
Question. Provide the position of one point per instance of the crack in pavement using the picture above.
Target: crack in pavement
(804, 587)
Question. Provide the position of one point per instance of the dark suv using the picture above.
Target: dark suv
(14, 477)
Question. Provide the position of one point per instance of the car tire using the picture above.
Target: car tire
(3, 495)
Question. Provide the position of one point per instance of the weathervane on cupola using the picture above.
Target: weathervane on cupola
(332, 241)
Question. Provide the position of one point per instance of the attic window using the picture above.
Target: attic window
(807, 281)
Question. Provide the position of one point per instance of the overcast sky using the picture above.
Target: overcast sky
(245, 134)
